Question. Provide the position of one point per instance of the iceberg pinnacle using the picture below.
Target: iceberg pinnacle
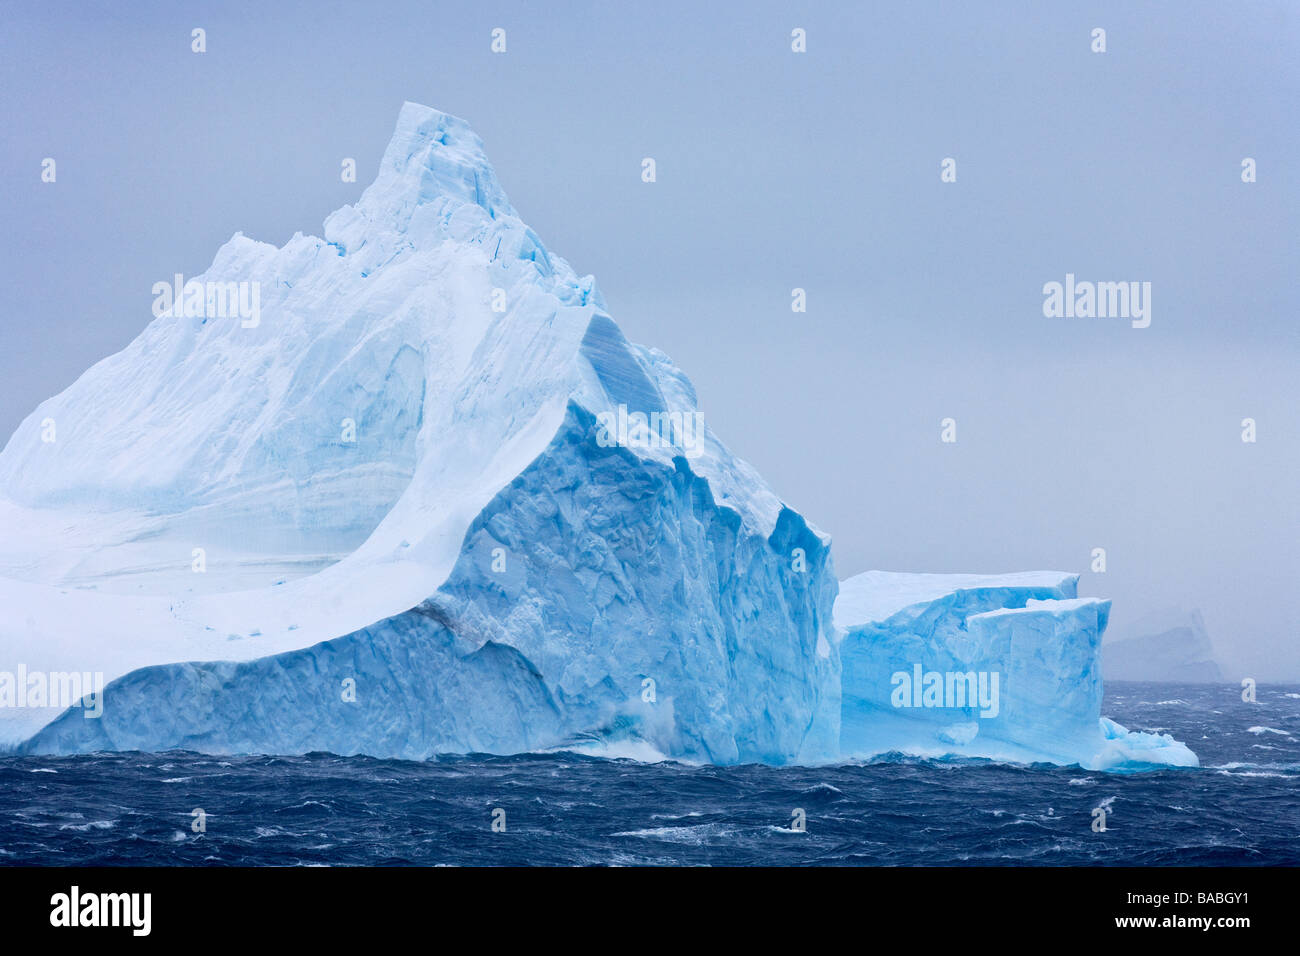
(435, 501)
(433, 159)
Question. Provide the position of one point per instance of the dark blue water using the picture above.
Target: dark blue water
(1241, 807)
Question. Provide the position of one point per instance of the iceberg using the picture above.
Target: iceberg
(1167, 644)
(1004, 667)
(432, 500)
(416, 466)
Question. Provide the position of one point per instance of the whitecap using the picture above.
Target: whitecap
(820, 788)
(695, 835)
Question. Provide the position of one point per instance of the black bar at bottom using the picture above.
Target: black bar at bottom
(332, 905)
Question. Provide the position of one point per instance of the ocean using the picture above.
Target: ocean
(1241, 807)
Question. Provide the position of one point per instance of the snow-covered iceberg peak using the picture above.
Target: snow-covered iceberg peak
(433, 157)
(425, 470)
(430, 331)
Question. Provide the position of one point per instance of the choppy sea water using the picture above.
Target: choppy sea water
(1241, 807)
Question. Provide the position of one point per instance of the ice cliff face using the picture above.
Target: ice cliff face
(628, 605)
(432, 500)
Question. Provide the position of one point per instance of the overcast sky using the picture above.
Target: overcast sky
(776, 170)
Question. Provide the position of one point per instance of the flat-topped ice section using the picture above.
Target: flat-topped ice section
(1000, 666)
(878, 595)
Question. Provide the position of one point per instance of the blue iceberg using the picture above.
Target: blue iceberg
(433, 501)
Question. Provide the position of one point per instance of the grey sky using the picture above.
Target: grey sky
(775, 170)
